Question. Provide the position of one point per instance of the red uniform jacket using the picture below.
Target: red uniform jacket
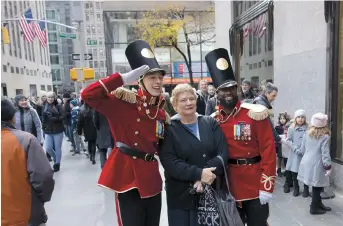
(126, 112)
(249, 134)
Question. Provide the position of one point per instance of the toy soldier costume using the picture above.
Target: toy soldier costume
(252, 159)
(137, 121)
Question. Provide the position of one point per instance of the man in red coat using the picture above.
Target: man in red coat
(252, 158)
(137, 121)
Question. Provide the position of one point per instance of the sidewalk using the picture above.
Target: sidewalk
(78, 201)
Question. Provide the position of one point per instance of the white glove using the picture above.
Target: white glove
(265, 197)
(328, 172)
(133, 76)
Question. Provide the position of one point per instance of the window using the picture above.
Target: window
(91, 64)
(53, 48)
(12, 69)
(96, 64)
(27, 72)
(101, 52)
(93, 30)
(35, 73)
(97, 5)
(88, 29)
(102, 64)
(50, 14)
(19, 91)
(91, 5)
(52, 37)
(270, 63)
(254, 45)
(4, 68)
(52, 27)
(100, 41)
(95, 52)
(17, 70)
(31, 72)
(87, 17)
(99, 29)
(259, 45)
(49, 88)
(87, 5)
(42, 87)
(102, 74)
(54, 59)
(250, 44)
(98, 16)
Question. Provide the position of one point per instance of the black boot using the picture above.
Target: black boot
(316, 210)
(296, 191)
(93, 157)
(279, 173)
(56, 167)
(326, 208)
(306, 192)
(286, 188)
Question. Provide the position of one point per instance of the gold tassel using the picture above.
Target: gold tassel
(258, 116)
(125, 95)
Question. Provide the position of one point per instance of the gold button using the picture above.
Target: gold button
(138, 120)
(139, 108)
(136, 132)
(136, 144)
(204, 155)
(134, 157)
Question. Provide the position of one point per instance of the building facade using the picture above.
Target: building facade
(306, 53)
(60, 45)
(25, 66)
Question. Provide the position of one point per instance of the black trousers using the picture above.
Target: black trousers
(179, 217)
(253, 213)
(92, 148)
(132, 210)
(316, 198)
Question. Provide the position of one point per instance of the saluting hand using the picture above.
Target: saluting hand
(133, 76)
(207, 176)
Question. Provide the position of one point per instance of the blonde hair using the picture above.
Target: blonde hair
(181, 88)
(317, 133)
(294, 122)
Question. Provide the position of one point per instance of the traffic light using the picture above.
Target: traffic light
(81, 74)
(5, 35)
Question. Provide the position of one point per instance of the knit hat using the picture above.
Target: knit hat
(299, 113)
(66, 95)
(19, 98)
(319, 120)
(74, 102)
(245, 81)
(7, 109)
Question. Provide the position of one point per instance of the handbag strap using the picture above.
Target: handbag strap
(225, 173)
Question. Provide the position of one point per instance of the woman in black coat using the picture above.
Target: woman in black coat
(85, 125)
(188, 155)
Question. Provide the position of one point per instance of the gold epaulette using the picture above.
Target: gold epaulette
(215, 114)
(257, 112)
(168, 119)
(125, 95)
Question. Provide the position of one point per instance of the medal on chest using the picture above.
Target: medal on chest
(242, 131)
(159, 129)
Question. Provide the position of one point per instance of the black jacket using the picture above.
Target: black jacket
(262, 99)
(211, 105)
(52, 118)
(249, 95)
(183, 157)
(201, 103)
(104, 135)
(67, 111)
(86, 125)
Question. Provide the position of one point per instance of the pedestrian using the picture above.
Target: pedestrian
(137, 123)
(189, 156)
(26, 175)
(104, 137)
(203, 96)
(246, 93)
(295, 135)
(315, 166)
(86, 126)
(67, 120)
(281, 129)
(251, 148)
(53, 118)
(75, 112)
(27, 118)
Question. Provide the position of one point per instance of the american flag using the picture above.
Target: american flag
(26, 25)
(40, 32)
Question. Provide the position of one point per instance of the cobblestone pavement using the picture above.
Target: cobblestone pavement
(78, 201)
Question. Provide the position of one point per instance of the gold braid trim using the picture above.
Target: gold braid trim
(256, 111)
(125, 95)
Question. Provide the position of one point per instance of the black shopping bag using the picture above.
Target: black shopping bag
(217, 207)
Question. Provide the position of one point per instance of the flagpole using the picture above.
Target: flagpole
(45, 21)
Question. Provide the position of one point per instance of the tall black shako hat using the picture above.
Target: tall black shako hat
(220, 68)
(139, 53)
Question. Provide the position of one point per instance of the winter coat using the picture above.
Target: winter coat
(250, 95)
(75, 112)
(104, 135)
(201, 103)
(67, 112)
(27, 119)
(26, 178)
(295, 136)
(262, 99)
(315, 162)
(53, 117)
(211, 106)
(86, 125)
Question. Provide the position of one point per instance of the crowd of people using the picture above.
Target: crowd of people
(221, 132)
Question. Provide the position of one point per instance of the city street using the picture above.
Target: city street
(77, 200)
